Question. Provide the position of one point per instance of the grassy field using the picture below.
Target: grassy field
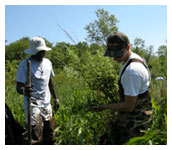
(75, 123)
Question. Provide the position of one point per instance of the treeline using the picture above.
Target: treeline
(65, 55)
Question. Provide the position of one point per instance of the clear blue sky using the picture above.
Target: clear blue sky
(148, 22)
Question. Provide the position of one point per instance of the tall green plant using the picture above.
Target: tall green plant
(157, 133)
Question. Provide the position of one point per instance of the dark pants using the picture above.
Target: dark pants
(43, 134)
(48, 132)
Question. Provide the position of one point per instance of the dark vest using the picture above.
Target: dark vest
(121, 89)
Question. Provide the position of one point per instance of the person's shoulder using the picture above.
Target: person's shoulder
(136, 65)
(136, 68)
(136, 56)
(46, 60)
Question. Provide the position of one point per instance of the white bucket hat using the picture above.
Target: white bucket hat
(36, 44)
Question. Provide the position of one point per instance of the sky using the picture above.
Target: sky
(148, 22)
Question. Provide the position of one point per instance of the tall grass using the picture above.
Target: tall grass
(75, 123)
(15, 103)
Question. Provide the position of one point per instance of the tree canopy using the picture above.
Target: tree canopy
(99, 30)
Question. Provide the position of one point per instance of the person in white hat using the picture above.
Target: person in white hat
(42, 85)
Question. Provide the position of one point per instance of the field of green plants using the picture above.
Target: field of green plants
(82, 87)
(84, 78)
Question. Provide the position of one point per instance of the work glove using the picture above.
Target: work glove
(56, 104)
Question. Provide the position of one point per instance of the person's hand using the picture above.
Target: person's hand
(56, 104)
(98, 108)
(27, 91)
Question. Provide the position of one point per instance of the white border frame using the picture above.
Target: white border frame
(80, 2)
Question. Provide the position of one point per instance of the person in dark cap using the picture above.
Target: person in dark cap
(134, 107)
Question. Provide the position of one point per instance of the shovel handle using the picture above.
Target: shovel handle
(28, 84)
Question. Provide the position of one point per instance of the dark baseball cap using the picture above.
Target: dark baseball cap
(116, 44)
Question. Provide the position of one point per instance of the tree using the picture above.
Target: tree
(99, 30)
(138, 46)
(139, 43)
(15, 50)
(162, 53)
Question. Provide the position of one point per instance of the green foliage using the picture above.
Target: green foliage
(75, 122)
(14, 51)
(102, 27)
(10, 70)
(162, 53)
(15, 102)
(101, 75)
(139, 43)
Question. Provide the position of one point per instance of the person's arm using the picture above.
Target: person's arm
(52, 90)
(20, 88)
(127, 105)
